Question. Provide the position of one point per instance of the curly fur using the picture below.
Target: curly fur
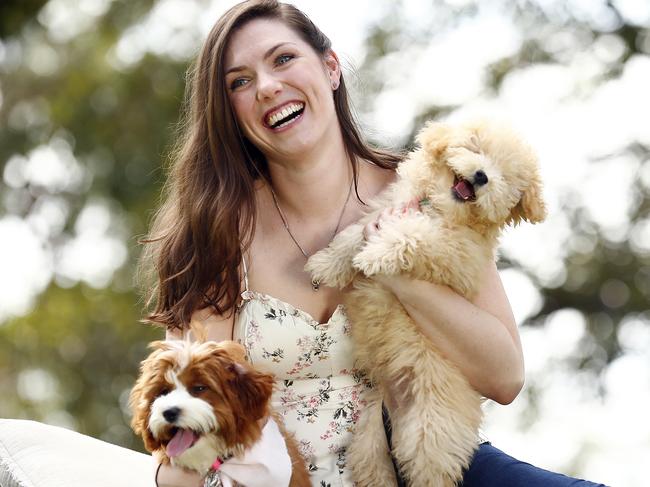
(447, 242)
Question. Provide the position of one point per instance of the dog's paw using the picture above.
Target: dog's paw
(332, 266)
(394, 249)
(366, 265)
(378, 257)
(328, 270)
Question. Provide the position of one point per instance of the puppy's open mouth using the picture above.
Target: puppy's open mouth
(182, 440)
(462, 189)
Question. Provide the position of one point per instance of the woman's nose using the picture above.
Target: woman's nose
(268, 86)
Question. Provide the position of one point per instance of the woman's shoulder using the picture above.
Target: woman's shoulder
(377, 178)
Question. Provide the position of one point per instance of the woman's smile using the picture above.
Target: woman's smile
(284, 115)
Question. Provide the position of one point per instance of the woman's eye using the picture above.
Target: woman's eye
(238, 83)
(283, 59)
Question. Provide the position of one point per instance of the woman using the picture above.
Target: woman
(271, 167)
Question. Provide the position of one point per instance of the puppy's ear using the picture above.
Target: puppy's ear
(531, 207)
(434, 138)
(234, 350)
(141, 397)
(253, 388)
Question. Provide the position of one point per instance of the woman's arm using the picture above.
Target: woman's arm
(168, 476)
(218, 327)
(480, 337)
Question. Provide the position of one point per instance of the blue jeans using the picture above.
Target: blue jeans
(491, 467)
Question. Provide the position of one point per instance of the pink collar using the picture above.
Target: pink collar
(217, 464)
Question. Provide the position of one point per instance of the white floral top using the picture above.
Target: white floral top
(318, 391)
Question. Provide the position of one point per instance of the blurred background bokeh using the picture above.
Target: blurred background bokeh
(90, 93)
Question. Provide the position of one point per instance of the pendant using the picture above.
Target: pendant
(315, 284)
(213, 479)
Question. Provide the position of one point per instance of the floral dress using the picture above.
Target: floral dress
(318, 391)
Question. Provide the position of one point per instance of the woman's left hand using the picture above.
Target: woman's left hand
(374, 226)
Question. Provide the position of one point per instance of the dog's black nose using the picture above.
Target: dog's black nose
(480, 178)
(172, 414)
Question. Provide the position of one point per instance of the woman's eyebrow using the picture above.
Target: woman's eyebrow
(267, 54)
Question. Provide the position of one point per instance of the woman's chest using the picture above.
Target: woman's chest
(290, 343)
(276, 268)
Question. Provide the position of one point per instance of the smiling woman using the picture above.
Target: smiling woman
(282, 94)
(262, 180)
(269, 124)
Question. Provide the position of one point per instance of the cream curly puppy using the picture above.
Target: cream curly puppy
(471, 180)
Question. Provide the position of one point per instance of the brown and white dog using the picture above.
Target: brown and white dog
(202, 407)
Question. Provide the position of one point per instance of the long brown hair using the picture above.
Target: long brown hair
(194, 249)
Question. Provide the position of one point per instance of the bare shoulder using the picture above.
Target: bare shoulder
(218, 327)
(375, 179)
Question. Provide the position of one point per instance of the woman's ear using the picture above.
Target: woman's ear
(333, 67)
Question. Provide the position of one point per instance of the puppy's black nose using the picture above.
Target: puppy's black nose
(480, 178)
(172, 414)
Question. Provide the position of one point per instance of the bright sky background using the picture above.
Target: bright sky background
(556, 108)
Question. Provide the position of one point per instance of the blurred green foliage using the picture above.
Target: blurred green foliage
(85, 343)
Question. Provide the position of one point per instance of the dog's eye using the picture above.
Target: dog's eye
(198, 389)
(163, 392)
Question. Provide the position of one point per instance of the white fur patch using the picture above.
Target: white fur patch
(195, 414)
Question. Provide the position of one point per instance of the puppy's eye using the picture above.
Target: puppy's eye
(164, 391)
(198, 389)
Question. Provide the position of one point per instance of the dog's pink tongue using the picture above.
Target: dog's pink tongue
(464, 189)
(182, 440)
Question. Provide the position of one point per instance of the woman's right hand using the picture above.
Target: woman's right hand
(169, 476)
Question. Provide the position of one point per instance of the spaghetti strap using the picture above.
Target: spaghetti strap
(243, 261)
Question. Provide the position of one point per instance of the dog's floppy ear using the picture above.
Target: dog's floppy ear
(434, 138)
(140, 397)
(531, 206)
(253, 388)
(235, 350)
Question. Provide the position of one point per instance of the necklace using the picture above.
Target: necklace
(315, 283)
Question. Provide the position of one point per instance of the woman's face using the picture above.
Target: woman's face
(281, 89)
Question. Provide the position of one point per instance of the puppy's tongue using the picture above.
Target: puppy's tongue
(464, 190)
(182, 440)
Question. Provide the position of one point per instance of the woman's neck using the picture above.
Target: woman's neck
(315, 186)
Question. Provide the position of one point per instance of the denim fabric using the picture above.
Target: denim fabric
(491, 467)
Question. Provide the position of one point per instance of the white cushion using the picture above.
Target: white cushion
(38, 455)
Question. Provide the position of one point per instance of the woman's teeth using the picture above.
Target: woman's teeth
(278, 116)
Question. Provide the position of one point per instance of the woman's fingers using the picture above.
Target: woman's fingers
(413, 204)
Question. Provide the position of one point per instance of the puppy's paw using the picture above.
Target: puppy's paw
(330, 270)
(368, 265)
(381, 256)
(396, 247)
(332, 266)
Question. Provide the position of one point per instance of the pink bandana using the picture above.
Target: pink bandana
(266, 463)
